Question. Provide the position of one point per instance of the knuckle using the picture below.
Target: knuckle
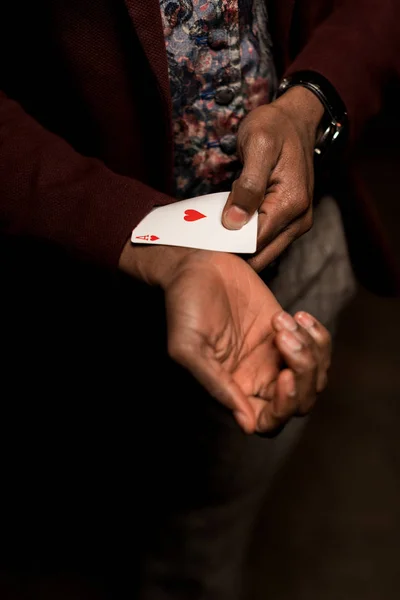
(250, 185)
(304, 338)
(260, 140)
(304, 203)
(266, 141)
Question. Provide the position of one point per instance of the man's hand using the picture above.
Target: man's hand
(223, 326)
(305, 345)
(276, 145)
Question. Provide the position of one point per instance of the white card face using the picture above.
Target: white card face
(196, 223)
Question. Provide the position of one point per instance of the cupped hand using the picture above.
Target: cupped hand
(276, 146)
(223, 326)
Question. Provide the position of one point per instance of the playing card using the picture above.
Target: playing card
(196, 223)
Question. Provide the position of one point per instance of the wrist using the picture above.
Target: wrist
(303, 106)
(332, 132)
(155, 265)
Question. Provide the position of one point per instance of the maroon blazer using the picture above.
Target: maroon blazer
(85, 114)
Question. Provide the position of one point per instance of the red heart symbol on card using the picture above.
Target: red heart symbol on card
(153, 238)
(193, 215)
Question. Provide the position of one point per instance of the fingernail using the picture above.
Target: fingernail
(235, 217)
(291, 341)
(306, 320)
(287, 321)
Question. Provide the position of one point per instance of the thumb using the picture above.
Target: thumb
(248, 191)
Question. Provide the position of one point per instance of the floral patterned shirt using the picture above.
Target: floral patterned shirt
(220, 68)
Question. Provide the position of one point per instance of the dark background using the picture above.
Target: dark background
(333, 515)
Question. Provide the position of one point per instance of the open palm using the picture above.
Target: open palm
(220, 328)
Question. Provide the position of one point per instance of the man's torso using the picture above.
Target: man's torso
(220, 67)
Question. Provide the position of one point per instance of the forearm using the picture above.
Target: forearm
(49, 191)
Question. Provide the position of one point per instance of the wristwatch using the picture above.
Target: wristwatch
(333, 129)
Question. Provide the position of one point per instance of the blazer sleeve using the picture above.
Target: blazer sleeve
(49, 191)
(356, 48)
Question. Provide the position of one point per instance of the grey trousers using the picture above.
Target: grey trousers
(315, 273)
(116, 463)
